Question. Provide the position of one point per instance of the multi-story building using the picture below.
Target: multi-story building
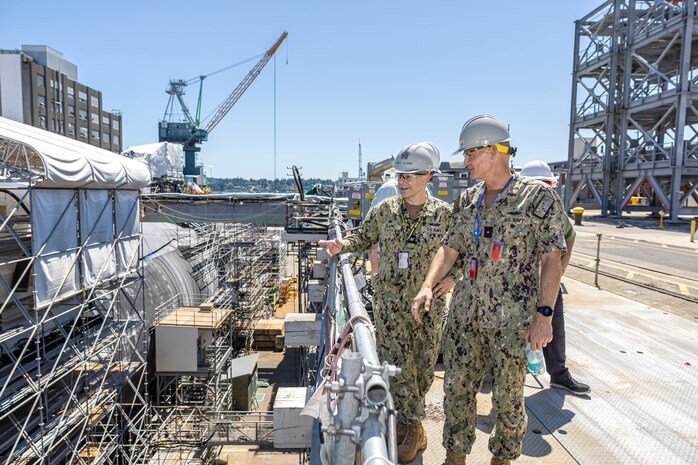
(40, 88)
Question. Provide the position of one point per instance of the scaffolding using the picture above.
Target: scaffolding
(634, 122)
(72, 349)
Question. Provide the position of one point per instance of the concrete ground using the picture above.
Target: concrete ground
(638, 227)
(643, 409)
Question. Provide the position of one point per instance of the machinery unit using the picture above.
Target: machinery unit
(442, 186)
(449, 186)
(360, 196)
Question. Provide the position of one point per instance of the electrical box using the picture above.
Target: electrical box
(354, 207)
(442, 187)
(449, 186)
(360, 198)
(175, 349)
(291, 429)
(460, 184)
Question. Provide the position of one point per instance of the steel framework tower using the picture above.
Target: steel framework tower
(634, 122)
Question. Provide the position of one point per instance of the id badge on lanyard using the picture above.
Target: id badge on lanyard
(496, 246)
(402, 260)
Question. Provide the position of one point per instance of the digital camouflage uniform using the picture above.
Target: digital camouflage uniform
(489, 315)
(401, 340)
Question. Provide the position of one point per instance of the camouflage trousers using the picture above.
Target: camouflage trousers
(469, 353)
(411, 346)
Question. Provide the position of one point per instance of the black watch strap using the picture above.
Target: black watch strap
(545, 310)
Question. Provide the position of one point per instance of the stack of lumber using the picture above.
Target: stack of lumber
(268, 335)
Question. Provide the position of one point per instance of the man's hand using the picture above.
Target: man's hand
(423, 297)
(444, 286)
(333, 247)
(540, 333)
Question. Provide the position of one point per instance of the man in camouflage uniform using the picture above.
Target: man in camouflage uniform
(508, 231)
(408, 229)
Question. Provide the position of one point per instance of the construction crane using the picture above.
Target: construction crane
(188, 131)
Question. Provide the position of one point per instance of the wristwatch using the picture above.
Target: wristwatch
(545, 310)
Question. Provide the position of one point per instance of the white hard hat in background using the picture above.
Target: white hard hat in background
(538, 169)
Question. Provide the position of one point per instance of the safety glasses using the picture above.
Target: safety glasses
(410, 176)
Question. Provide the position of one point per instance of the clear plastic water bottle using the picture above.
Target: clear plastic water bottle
(536, 365)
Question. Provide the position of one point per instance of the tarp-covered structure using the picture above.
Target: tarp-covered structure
(85, 207)
(162, 158)
(54, 161)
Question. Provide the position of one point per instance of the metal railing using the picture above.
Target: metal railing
(360, 407)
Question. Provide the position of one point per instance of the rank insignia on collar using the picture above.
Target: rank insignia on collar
(543, 206)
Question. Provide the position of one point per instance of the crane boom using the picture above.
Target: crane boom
(242, 87)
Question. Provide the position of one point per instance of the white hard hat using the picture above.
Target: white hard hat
(537, 169)
(413, 158)
(480, 131)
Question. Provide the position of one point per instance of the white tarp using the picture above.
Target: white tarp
(127, 230)
(97, 236)
(54, 242)
(69, 163)
(109, 233)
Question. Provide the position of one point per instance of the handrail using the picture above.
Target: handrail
(363, 401)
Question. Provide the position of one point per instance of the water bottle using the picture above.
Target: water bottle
(536, 365)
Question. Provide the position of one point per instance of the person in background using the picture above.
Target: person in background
(554, 352)
(408, 228)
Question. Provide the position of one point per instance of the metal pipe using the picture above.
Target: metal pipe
(348, 406)
(374, 397)
(598, 260)
(374, 449)
(376, 169)
(392, 430)
(362, 333)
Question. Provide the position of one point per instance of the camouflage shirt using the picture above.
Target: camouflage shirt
(527, 218)
(389, 225)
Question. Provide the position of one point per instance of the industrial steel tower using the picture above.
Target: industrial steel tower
(634, 122)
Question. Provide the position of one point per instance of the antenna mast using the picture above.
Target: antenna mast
(361, 171)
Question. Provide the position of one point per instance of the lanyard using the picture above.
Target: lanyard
(477, 225)
(414, 227)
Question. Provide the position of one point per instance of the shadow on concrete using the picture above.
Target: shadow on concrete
(279, 370)
(547, 407)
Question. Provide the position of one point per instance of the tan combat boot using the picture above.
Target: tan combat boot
(415, 440)
(401, 432)
(499, 461)
(454, 458)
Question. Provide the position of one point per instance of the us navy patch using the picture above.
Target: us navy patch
(543, 206)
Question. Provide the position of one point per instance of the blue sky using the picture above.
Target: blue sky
(386, 72)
